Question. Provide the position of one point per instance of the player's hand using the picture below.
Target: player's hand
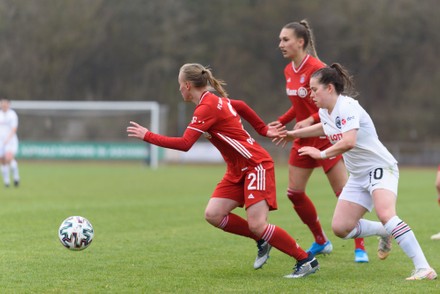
(136, 130)
(310, 151)
(276, 131)
(274, 124)
(282, 141)
(304, 123)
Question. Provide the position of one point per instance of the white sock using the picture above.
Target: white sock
(5, 174)
(366, 228)
(406, 239)
(14, 169)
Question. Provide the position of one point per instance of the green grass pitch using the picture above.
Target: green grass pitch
(151, 236)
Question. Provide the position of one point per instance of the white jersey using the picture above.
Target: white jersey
(8, 121)
(368, 152)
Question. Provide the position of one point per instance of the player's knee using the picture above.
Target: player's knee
(384, 215)
(213, 217)
(295, 195)
(257, 228)
(340, 230)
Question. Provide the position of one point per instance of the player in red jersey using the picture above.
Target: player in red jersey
(249, 180)
(295, 43)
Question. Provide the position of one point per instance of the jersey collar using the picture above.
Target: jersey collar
(203, 96)
(296, 70)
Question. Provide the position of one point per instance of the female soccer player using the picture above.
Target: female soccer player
(9, 143)
(295, 42)
(373, 170)
(249, 180)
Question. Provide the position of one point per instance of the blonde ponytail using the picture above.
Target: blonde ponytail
(201, 76)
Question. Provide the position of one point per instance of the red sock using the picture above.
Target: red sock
(307, 213)
(358, 242)
(282, 241)
(235, 224)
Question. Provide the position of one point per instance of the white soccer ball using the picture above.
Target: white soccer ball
(76, 233)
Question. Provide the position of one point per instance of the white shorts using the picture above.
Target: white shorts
(11, 147)
(360, 189)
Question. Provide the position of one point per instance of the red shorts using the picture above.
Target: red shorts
(306, 161)
(255, 184)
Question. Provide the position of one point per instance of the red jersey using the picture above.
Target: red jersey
(298, 91)
(219, 122)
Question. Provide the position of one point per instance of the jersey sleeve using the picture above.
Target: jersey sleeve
(349, 117)
(183, 143)
(203, 118)
(316, 117)
(14, 119)
(288, 116)
(250, 116)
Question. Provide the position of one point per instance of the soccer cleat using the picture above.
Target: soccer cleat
(325, 248)
(435, 237)
(16, 183)
(384, 248)
(263, 253)
(360, 255)
(423, 274)
(304, 267)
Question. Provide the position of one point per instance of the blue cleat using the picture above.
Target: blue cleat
(325, 248)
(360, 256)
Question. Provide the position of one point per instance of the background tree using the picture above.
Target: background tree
(132, 50)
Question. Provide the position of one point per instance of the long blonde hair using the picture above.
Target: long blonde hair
(201, 76)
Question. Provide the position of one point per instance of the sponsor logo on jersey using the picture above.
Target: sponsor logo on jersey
(291, 92)
(251, 196)
(220, 104)
(302, 79)
(344, 121)
(302, 92)
(288, 80)
(194, 120)
(338, 122)
(334, 137)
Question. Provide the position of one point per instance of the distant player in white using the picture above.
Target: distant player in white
(373, 170)
(9, 143)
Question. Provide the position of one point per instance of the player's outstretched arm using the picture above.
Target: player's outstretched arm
(347, 142)
(315, 130)
(183, 143)
(304, 123)
(246, 112)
